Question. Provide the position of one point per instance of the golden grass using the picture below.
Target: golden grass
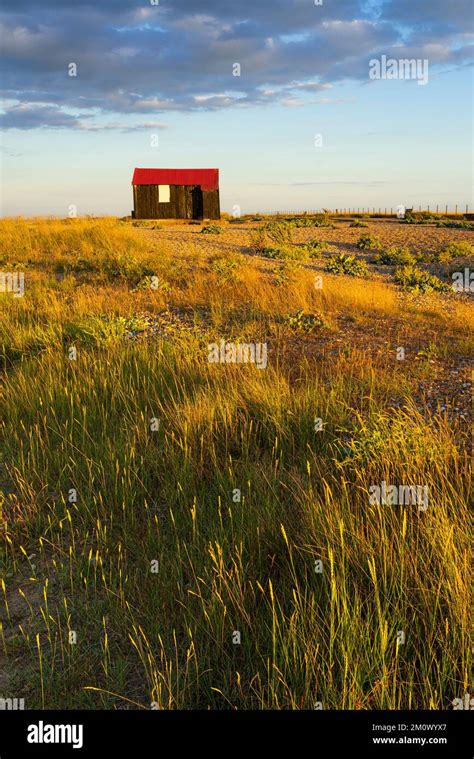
(234, 494)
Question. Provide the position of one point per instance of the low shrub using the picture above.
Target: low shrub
(302, 321)
(126, 268)
(225, 267)
(145, 225)
(323, 221)
(258, 240)
(347, 264)
(315, 247)
(301, 221)
(101, 330)
(420, 217)
(418, 280)
(212, 229)
(283, 272)
(413, 220)
(279, 232)
(456, 224)
(290, 252)
(368, 242)
(394, 256)
(78, 266)
(456, 249)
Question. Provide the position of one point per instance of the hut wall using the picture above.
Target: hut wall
(186, 202)
(211, 205)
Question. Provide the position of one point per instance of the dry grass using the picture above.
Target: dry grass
(235, 494)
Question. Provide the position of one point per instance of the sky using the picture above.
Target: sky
(281, 95)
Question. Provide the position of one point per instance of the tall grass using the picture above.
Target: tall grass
(259, 523)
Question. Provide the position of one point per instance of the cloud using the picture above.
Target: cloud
(454, 17)
(34, 116)
(310, 86)
(147, 125)
(140, 59)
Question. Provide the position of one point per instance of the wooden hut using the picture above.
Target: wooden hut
(176, 194)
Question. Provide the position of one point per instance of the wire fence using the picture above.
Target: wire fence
(444, 210)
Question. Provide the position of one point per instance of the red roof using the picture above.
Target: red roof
(207, 178)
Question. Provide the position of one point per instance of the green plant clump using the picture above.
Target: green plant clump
(347, 264)
(456, 249)
(417, 280)
(368, 242)
(315, 247)
(302, 321)
(212, 229)
(394, 256)
(291, 252)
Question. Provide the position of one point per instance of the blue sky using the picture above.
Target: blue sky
(302, 127)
